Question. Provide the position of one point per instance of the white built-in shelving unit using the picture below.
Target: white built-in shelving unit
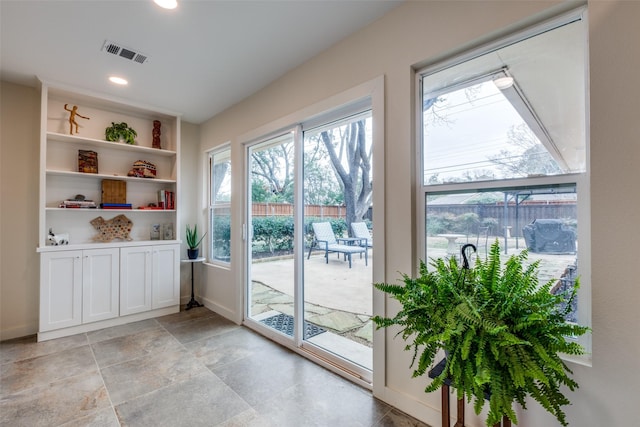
(89, 284)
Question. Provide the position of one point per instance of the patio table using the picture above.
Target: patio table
(361, 241)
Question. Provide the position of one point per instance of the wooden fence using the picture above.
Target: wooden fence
(286, 209)
(515, 218)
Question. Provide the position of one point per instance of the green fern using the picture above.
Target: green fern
(502, 330)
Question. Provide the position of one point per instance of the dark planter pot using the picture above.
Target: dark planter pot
(192, 253)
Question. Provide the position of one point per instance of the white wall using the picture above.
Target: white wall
(190, 172)
(417, 33)
(19, 160)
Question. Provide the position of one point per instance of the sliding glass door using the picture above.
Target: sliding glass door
(309, 273)
(270, 234)
(338, 295)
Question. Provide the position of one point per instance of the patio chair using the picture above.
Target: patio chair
(361, 231)
(325, 239)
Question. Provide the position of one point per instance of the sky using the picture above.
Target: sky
(474, 127)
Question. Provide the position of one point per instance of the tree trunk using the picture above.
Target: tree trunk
(355, 181)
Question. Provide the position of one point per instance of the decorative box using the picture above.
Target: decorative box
(87, 161)
(143, 169)
(114, 191)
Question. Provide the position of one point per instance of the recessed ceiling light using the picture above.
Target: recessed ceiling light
(118, 80)
(167, 4)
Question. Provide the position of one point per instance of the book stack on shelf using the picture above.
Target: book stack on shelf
(166, 199)
(115, 205)
(78, 204)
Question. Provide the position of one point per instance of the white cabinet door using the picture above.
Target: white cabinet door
(100, 284)
(60, 289)
(166, 276)
(135, 279)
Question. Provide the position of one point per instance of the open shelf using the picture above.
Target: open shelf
(61, 180)
(110, 210)
(54, 136)
(107, 176)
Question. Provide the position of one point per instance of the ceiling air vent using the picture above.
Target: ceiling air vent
(124, 52)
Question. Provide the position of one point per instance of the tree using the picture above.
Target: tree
(467, 176)
(349, 159)
(320, 186)
(219, 172)
(531, 157)
(272, 169)
(350, 155)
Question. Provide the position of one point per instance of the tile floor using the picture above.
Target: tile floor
(193, 368)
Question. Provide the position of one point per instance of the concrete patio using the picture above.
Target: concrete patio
(339, 298)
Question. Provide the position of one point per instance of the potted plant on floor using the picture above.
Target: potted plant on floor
(193, 242)
(502, 332)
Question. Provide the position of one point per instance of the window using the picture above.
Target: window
(504, 153)
(220, 205)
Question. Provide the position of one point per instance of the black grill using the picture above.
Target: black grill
(551, 236)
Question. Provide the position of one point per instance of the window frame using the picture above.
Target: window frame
(580, 179)
(213, 204)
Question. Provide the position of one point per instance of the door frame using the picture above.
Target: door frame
(373, 92)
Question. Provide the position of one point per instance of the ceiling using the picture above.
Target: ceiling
(202, 57)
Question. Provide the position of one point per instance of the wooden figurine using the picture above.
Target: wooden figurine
(72, 117)
(156, 134)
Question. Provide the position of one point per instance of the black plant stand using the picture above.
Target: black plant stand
(193, 303)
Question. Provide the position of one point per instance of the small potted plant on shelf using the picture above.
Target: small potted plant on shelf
(501, 331)
(193, 242)
(120, 132)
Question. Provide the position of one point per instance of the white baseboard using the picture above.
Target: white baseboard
(221, 310)
(94, 326)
